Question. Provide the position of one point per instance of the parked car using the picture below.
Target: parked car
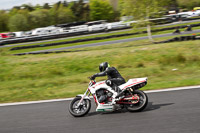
(47, 30)
(5, 35)
(19, 34)
(97, 27)
(81, 28)
(116, 25)
(96, 22)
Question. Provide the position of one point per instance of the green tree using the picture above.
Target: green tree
(38, 7)
(86, 12)
(101, 10)
(14, 11)
(18, 22)
(46, 6)
(28, 7)
(172, 5)
(61, 14)
(188, 4)
(80, 10)
(65, 4)
(3, 21)
(143, 10)
(39, 18)
(65, 15)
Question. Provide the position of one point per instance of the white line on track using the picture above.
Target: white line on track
(67, 99)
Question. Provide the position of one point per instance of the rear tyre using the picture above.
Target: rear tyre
(141, 104)
(81, 110)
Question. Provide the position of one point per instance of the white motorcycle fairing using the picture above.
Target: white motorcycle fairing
(102, 84)
(130, 97)
(132, 82)
(101, 106)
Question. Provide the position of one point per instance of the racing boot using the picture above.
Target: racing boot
(119, 93)
(117, 89)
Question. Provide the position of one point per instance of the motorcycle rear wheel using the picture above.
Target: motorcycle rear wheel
(82, 110)
(141, 104)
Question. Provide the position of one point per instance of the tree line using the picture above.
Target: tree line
(28, 17)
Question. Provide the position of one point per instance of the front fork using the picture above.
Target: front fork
(84, 96)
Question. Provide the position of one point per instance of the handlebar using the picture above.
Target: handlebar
(91, 78)
(92, 81)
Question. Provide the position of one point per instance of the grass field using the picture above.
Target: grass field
(39, 77)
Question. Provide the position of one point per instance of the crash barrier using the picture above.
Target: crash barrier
(96, 38)
(187, 19)
(181, 38)
(175, 39)
(47, 52)
(74, 41)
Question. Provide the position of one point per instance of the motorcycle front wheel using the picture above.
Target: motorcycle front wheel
(140, 104)
(82, 109)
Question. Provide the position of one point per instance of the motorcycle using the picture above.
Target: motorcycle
(108, 100)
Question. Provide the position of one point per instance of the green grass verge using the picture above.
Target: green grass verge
(39, 77)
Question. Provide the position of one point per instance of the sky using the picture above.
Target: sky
(8, 4)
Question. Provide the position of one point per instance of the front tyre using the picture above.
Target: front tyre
(137, 106)
(81, 110)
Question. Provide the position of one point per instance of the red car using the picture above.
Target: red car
(5, 35)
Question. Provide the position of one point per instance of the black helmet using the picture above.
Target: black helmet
(103, 66)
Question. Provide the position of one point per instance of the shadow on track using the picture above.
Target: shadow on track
(105, 113)
(150, 107)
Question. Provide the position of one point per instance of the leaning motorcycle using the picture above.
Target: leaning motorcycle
(108, 100)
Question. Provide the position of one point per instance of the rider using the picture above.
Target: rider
(114, 77)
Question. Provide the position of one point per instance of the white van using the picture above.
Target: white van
(187, 14)
(47, 30)
(18, 34)
(116, 25)
(97, 27)
(81, 28)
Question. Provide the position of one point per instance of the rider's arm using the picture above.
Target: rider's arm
(104, 73)
(100, 74)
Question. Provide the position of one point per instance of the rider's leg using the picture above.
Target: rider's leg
(116, 88)
(113, 83)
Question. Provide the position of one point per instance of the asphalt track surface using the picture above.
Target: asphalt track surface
(167, 112)
(112, 42)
